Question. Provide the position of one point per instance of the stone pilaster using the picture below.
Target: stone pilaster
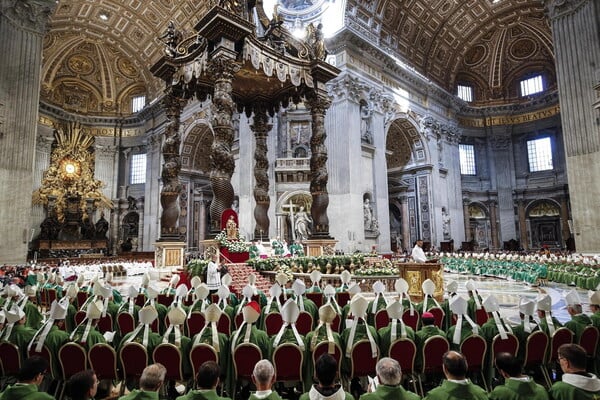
(22, 27)
(261, 129)
(318, 166)
(575, 30)
(467, 222)
(522, 225)
(494, 224)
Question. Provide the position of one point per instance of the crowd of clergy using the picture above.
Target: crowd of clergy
(76, 313)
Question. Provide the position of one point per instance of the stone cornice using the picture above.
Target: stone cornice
(531, 104)
(561, 8)
(31, 15)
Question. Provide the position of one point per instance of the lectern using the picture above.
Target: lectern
(416, 273)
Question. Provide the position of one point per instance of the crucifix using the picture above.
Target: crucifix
(291, 208)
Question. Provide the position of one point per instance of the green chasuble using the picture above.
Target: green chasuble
(154, 339)
(54, 341)
(94, 336)
(420, 337)
(516, 389)
(309, 368)
(465, 332)
(576, 387)
(24, 392)
(334, 393)
(457, 391)
(140, 395)
(20, 336)
(577, 324)
(271, 396)
(224, 352)
(360, 334)
(385, 337)
(202, 395)
(385, 392)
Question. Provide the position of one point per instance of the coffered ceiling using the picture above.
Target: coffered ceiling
(97, 54)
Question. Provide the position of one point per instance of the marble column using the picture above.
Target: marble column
(42, 162)
(318, 105)
(222, 164)
(576, 32)
(564, 219)
(467, 221)
(261, 129)
(522, 225)
(22, 28)
(494, 224)
(406, 244)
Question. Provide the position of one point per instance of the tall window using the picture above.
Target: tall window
(465, 93)
(467, 159)
(532, 85)
(137, 173)
(539, 152)
(138, 103)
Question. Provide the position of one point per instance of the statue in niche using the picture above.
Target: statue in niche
(371, 223)
(302, 224)
(445, 223)
(50, 227)
(231, 228)
(316, 41)
(101, 227)
(366, 118)
(132, 203)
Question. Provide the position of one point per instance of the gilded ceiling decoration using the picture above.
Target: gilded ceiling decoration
(98, 53)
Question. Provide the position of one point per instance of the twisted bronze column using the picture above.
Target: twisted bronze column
(169, 193)
(261, 129)
(318, 166)
(222, 164)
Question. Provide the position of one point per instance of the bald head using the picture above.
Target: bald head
(455, 365)
(263, 375)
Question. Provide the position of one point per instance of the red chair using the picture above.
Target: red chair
(81, 298)
(411, 320)
(105, 324)
(133, 358)
(45, 354)
(73, 359)
(10, 359)
(288, 359)
(273, 323)
(214, 298)
(140, 300)
(434, 349)
(126, 323)
(474, 348)
(589, 340)
(245, 356)
(316, 298)
(561, 336)
(224, 324)
(535, 354)
(194, 323)
(508, 345)
(51, 295)
(362, 362)
(342, 298)
(381, 319)
(481, 316)
(169, 355)
(322, 348)
(201, 353)
(404, 351)
(439, 315)
(238, 319)
(103, 360)
(304, 324)
(79, 317)
(336, 324)
(164, 299)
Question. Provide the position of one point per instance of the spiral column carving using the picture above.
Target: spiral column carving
(319, 176)
(222, 70)
(261, 129)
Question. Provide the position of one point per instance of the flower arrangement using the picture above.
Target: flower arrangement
(238, 245)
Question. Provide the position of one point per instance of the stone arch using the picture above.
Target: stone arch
(299, 198)
(480, 225)
(405, 146)
(543, 223)
(196, 147)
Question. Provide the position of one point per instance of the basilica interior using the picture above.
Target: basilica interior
(468, 124)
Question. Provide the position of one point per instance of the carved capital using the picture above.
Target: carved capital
(105, 150)
(500, 142)
(429, 127)
(318, 105)
(29, 14)
(222, 68)
(43, 144)
(348, 87)
(561, 8)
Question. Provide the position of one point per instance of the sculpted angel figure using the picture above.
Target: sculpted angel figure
(316, 40)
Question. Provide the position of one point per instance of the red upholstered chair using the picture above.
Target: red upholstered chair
(245, 356)
(404, 351)
(10, 359)
(561, 336)
(535, 354)
(201, 353)
(316, 297)
(103, 360)
(342, 298)
(433, 351)
(79, 317)
(51, 295)
(508, 345)
(81, 298)
(169, 355)
(214, 298)
(194, 323)
(362, 362)
(589, 340)
(304, 324)
(133, 358)
(481, 316)
(45, 354)
(273, 323)
(439, 315)
(165, 300)
(336, 324)
(381, 319)
(140, 300)
(474, 348)
(238, 319)
(411, 320)
(126, 323)
(105, 324)
(224, 324)
(72, 358)
(288, 359)
(322, 348)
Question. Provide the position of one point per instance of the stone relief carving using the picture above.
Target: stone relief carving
(28, 14)
(560, 8)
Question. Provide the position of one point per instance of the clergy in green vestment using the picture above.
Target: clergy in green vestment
(263, 377)
(15, 295)
(428, 329)
(16, 331)
(358, 330)
(464, 327)
(315, 278)
(305, 304)
(516, 385)
(579, 321)
(390, 387)
(273, 304)
(174, 335)
(527, 325)
(576, 382)
(396, 328)
(143, 333)
(326, 388)
(378, 303)
(456, 386)
(217, 340)
(152, 379)
(548, 324)
(86, 333)
(30, 376)
(255, 291)
(475, 301)
(50, 334)
(288, 333)
(207, 381)
(152, 293)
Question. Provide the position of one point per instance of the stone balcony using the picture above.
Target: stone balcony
(292, 170)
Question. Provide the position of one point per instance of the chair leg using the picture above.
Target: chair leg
(484, 381)
(421, 393)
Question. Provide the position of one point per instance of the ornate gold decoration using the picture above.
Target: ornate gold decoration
(545, 208)
(510, 119)
(71, 173)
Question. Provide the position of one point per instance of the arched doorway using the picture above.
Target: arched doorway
(543, 218)
(479, 226)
